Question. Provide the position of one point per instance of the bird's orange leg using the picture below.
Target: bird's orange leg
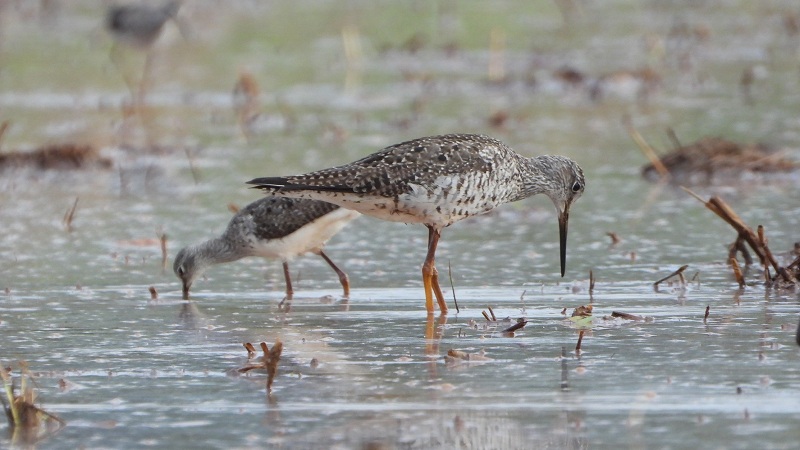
(342, 276)
(430, 276)
(437, 290)
(289, 290)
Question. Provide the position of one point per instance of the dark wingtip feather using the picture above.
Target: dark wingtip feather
(269, 181)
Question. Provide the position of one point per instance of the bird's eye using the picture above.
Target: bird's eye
(577, 186)
(180, 271)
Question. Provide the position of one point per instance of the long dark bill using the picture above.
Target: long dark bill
(563, 217)
(186, 287)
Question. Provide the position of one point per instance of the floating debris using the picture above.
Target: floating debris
(714, 159)
(705, 316)
(28, 423)
(582, 316)
(626, 316)
(614, 238)
(458, 357)
(67, 156)
(517, 326)
(153, 293)
(268, 362)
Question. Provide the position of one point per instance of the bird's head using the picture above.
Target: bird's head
(564, 184)
(186, 268)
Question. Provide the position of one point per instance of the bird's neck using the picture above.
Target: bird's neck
(216, 251)
(535, 177)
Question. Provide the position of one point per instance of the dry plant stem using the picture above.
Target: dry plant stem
(674, 138)
(678, 273)
(486, 316)
(3, 128)
(737, 272)
(738, 246)
(647, 150)
(580, 340)
(452, 286)
(794, 264)
(494, 318)
(153, 293)
(705, 317)
(69, 216)
(163, 239)
(762, 238)
(591, 281)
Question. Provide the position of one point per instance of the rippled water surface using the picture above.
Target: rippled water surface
(338, 81)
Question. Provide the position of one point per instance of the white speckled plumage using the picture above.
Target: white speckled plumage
(437, 181)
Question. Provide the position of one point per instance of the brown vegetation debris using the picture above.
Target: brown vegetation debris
(582, 311)
(710, 157)
(66, 156)
(626, 316)
(519, 325)
(456, 357)
(787, 276)
(268, 362)
(28, 423)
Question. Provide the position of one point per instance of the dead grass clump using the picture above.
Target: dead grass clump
(712, 158)
(66, 156)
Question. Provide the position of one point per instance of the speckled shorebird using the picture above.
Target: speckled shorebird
(139, 25)
(437, 181)
(272, 227)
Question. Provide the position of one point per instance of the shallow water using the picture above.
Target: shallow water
(160, 373)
